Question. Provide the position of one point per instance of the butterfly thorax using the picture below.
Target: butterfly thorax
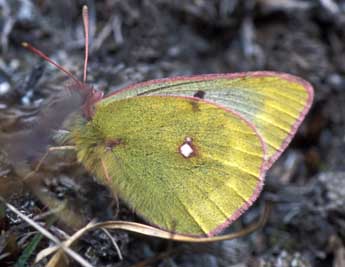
(86, 139)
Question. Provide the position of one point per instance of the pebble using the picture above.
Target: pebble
(4, 88)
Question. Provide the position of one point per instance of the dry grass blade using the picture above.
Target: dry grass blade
(152, 231)
(114, 243)
(47, 234)
(45, 253)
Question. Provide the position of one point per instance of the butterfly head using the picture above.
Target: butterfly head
(88, 96)
(91, 97)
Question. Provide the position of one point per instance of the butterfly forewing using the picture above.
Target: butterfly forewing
(183, 164)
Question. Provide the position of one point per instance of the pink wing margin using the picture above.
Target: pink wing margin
(310, 91)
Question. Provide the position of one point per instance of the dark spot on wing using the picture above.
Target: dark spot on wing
(110, 144)
(200, 94)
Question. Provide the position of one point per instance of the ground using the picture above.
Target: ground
(139, 40)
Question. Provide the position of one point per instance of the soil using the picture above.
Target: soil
(137, 40)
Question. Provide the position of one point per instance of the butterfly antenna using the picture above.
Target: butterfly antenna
(46, 58)
(86, 31)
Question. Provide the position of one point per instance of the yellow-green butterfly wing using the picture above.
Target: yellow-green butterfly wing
(184, 164)
(275, 103)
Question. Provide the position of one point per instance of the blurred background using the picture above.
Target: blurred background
(137, 40)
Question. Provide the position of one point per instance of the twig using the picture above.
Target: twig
(330, 5)
(48, 235)
(114, 243)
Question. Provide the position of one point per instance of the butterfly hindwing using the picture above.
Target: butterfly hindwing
(182, 163)
(274, 103)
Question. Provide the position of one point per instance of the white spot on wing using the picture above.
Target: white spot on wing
(186, 148)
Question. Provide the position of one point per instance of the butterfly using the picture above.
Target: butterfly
(188, 154)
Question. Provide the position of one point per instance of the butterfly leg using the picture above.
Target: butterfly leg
(50, 149)
(107, 176)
